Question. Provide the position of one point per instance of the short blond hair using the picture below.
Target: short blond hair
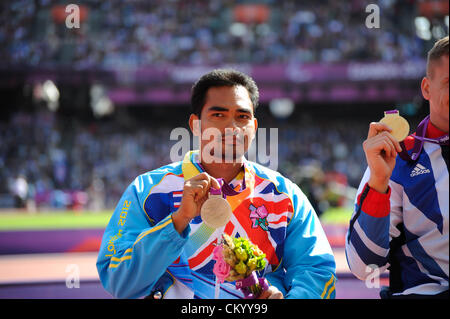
(439, 49)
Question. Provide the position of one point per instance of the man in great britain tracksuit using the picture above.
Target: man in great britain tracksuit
(157, 245)
(400, 220)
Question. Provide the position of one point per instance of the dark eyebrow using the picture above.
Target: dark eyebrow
(224, 109)
(218, 108)
(245, 111)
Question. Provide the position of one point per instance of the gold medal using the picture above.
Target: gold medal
(399, 126)
(216, 211)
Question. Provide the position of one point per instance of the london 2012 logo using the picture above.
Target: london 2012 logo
(258, 216)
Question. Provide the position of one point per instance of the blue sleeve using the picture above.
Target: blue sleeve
(308, 258)
(367, 242)
(134, 254)
(276, 278)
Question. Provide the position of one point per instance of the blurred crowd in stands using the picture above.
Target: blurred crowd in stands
(46, 162)
(134, 33)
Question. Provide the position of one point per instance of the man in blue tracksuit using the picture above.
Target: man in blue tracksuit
(401, 217)
(157, 245)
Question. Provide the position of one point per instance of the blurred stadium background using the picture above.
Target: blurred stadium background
(85, 110)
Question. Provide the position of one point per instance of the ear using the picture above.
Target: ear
(194, 125)
(425, 86)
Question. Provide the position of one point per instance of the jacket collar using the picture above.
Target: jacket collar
(433, 131)
(191, 167)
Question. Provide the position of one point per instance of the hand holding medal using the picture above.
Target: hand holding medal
(398, 125)
(195, 194)
(400, 130)
(215, 211)
(382, 146)
(385, 141)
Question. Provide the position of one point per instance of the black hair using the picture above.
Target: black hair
(217, 78)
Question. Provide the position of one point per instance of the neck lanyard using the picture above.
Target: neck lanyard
(420, 139)
(225, 188)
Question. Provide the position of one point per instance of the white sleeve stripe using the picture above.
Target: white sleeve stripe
(383, 252)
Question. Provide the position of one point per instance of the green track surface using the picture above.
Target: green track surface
(75, 220)
(53, 220)
(336, 215)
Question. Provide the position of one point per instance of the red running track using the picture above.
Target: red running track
(44, 276)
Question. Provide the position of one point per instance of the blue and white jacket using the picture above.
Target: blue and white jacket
(141, 252)
(405, 230)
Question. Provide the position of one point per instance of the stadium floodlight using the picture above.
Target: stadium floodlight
(438, 32)
(101, 104)
(238, 29)
(281, 108)
(50, 94)
(423, 28)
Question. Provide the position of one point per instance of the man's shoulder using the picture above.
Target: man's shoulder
(263, 170)
(172, 168)
(154, 177)
(282, 183)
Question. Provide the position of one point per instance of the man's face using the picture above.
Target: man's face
(435, 90)
(227, 124)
